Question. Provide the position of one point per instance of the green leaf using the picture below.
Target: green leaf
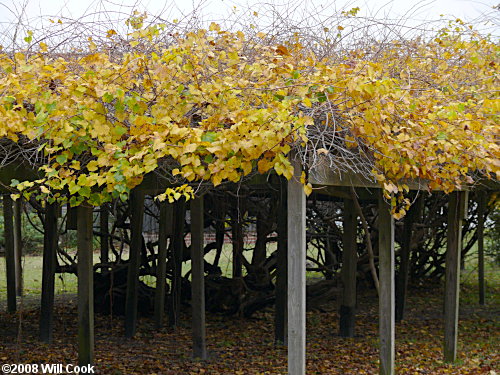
(209, 137)
(41, 117)
(75, 201)
(107, 98)
(120, 130)
(321, 96)
(330, 89)
(61, 159)
(84, 191)
(442, 136)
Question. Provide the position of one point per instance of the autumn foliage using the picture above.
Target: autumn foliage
(215, 105)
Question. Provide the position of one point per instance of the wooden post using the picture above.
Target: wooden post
(198, 279)
(18, 245)
(10, 256)
(237, 242)
(456, 211)
(136, 220)
(480, 245)
(104, 230)
(296, 274)
(85, 286)
(50, 238)
(387, 292)
(349, 267)
(177, 250)
(404, 266)
(165, 229)
(71, 217)
(280, 315)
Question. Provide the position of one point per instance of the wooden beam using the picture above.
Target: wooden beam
(280, 314)
(50, 238)
(18, 245)
(387, 292)
(85, 286)
(164, 230)
(18, 171)
(296, 223)
(456, 211)
(482, 196)
(10, 255)
(177, 250)
(344, 192)
(198, 279)
(136, 221)
(324, 175)
(349, 267)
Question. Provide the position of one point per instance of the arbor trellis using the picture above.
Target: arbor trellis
(177, 113)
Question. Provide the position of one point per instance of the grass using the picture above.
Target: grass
(67, 283)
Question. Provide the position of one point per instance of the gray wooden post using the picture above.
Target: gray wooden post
(456, 211)
(164, 230)
(237, 242)
(104, 230)
(85, 286)
(50, 238)
(404, 265)
(198, 279)
(18, 245)
(349, 266)
(136, 221)
(296, 274)
(177, 250)
(387, 289)
(10, 262)
(480, 245)
(280, 314)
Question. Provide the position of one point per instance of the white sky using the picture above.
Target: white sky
(420, 11)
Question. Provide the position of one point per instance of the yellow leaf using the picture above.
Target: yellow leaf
(308, 189)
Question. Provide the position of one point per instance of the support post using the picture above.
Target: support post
(198, 279)
(237, 242)
(296, 273)
(480, 245)
(165, 229)
(18, 245)
(177, 250)
(85, 286)
(136, 220)
(456, 212)
(404, 266)
(280, 315)
(48, 272)
(104, 230)
(10, 256)
(349, 266)
(387, 288)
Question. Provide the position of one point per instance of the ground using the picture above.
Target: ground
(239, 346)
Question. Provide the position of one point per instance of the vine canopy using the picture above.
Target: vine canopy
(207, 106)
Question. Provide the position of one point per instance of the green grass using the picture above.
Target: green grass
(67, 283)
(32, 273)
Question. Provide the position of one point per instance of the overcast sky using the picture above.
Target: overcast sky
(420, 11)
